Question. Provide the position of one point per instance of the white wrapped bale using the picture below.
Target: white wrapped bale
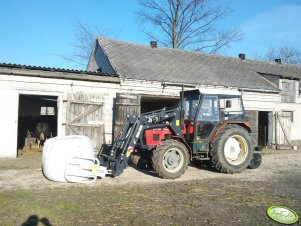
(58, 152)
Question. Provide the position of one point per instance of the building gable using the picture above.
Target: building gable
(99, 61)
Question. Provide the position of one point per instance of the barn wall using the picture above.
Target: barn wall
(158, 88)
(253, 101)
(12, 86)
(150, 88)
(8, 119)
(272, 102)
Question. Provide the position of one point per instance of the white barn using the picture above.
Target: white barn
(124, 78)
(271, 91)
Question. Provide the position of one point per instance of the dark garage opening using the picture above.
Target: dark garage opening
(263, 128)
(152, 103)
(36, 113)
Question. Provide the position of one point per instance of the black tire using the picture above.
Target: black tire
(232, 149)
(255, 161)
(170, 159)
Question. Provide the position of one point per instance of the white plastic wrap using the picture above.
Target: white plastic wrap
(58, 152)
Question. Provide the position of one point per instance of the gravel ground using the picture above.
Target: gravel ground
(25, 172)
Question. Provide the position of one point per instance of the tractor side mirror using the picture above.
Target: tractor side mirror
(228, 103)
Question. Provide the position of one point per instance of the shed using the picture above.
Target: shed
(67, 101)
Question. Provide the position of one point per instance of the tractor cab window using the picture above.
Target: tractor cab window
(230, 106)
(209, 109)
(191, 106)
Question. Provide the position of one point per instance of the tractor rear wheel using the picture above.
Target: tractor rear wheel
(170, 159)
(232, 149)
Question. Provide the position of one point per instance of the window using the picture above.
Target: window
(191, 106)
(47, 111)
(231, 105)
(209, 109)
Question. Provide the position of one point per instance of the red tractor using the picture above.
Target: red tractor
(206, 126)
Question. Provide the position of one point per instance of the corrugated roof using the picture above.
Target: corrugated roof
(58, 73)
(9, 65)
(172, 65)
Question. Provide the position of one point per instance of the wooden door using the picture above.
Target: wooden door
(125, 104)
(253, 118)
(85, 117)
(283, 129)
(270, 127)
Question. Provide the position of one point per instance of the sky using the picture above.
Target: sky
(40, 32)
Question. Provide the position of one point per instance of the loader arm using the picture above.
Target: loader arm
(116, 159)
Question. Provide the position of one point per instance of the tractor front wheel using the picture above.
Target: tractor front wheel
(232, 149)
(170, 159)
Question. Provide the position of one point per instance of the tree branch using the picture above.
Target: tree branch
(188, 24)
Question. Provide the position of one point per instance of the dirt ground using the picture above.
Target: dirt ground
(201, 196)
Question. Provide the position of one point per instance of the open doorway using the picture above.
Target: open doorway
(37, 120)
(152, 103)
(265, 128)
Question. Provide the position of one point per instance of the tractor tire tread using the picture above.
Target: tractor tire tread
(218, 162)
(157, 159)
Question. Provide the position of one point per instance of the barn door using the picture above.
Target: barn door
(85, 117)
(270, 127)
(125, 104)
(283, 129)
(253, 118)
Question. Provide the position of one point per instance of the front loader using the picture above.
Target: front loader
(206, 126)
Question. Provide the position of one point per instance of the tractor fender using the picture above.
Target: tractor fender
(243, 124)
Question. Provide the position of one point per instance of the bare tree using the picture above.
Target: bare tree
(286, 52)
(188, 24)
(84, 38)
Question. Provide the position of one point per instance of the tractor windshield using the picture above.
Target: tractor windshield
(191, 106)
(209, 109)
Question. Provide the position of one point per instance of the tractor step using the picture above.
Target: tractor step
(202, 155)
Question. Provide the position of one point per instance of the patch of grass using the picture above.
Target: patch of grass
(204, 202)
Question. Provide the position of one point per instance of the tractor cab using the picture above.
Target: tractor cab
(205, 111)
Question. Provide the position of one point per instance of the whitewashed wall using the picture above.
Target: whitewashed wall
(12, 86)
(9, 122)
(272, 102)
(259, 101)
(158, 89)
